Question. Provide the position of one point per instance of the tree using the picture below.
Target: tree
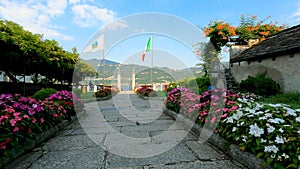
(38, 57)
(82, 70)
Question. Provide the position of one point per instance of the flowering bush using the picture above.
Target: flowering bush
(105, 92)
(21, 118)
(271, 131)
(250, 28)
(145, 91)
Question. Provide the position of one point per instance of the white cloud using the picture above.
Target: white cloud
(89, 16)
(56, 7)
(74, 1)
(117, 24)
(294, 18)
(35, 16)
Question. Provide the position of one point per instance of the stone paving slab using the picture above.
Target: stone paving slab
(92, 142)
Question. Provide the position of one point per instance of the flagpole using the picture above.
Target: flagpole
(103, 60)
(152, 61)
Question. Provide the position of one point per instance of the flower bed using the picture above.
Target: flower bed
(270, 131)
(106, 93)
(23, 118)
(145, 92)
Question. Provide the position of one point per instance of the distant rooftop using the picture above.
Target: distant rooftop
(284, 42)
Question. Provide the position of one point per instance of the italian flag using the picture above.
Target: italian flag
(147, 48)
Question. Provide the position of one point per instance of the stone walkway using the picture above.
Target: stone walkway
(125, 132)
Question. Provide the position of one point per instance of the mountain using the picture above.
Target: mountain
(143, 73)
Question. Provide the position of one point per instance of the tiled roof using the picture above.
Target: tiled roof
(284, 42)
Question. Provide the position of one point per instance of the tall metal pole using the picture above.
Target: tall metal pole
(103, 61)
(151, 61)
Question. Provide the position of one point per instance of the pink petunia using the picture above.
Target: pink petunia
(42, 120)
(17, 114)
(13, 122)
(25, 116)
(33, 120)
(31, 111)
(224, 115)
(9, 110)
(233, 108)
(16, 128)
(54, 115)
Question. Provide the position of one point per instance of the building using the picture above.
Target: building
(278, 55)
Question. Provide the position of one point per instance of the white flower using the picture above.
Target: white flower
(262, 118)
(268, 115)
(255, 130)
(233, 129)
(272, 148)
(229, 120)
(280, 130)
(290, 111)
(279, 140)
(240, 124)
(285, 156)
(297, 110)
(270, 129)
(298, 131)
(298, 157)
(272, 156)
(245, 138)
(298, 119)
(276, 120)
(34, 105)
(263, 140)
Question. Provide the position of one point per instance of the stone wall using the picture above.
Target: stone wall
(284, 69)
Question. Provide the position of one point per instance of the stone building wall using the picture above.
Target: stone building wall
(283, 69)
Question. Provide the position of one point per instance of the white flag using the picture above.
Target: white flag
(97, 44)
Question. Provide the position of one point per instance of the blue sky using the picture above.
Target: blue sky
(73, 22)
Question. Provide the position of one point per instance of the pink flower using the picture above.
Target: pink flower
(230, 102)
(42, 120)
(25, 116)
(213, 119)
(3, 147)
(16, 129)
(54, 115)
(23, 106)
(33, 120)
(224, 116)
(31, 112)
(9, 110)
(39, 108)
(13, 122)
(65, 111)
(225, 110)
(16, 104)
(17, 114)
(190, 110)
(29, 130)
(233, 108)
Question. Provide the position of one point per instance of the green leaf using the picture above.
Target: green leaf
(269, 160)
(259, 154)
(293, 165)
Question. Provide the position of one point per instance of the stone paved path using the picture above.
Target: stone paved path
(124, 132)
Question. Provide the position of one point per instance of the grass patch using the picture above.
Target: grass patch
(292, 99)
(87, 95)
(160, 94)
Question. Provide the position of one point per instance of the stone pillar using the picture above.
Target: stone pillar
(133, 80)
(119, 78)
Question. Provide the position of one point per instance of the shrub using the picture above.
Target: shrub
(260, 85)
(145, 91)
(43, 93)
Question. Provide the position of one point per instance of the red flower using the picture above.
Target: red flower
(54, 115)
